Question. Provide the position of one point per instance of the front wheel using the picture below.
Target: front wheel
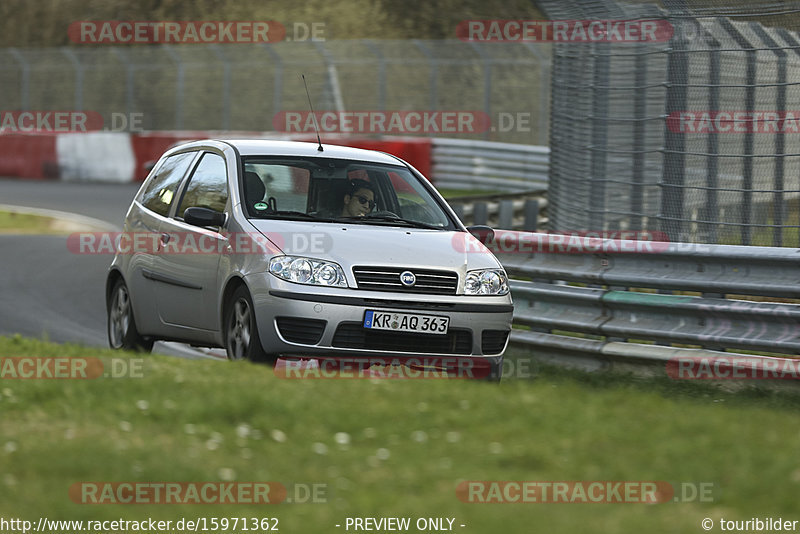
(241, 331)
(122, 332)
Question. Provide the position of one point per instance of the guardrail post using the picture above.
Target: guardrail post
(531, 220)
(480, 213)
(458, 209)
(505, 215)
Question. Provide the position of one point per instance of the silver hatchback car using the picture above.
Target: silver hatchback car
(273, 248)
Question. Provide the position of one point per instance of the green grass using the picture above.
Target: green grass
(26, 223)
(391, 447)
(458, 193)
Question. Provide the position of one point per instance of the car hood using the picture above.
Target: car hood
(378, 245)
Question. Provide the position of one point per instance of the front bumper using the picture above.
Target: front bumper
(316, 321)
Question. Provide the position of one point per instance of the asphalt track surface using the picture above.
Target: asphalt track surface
(48, 292)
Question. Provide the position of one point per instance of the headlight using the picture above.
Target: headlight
(486, 282)
(307, 271)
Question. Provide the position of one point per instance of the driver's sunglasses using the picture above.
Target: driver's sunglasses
(365, 201)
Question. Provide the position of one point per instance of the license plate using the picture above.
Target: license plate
(406, 322)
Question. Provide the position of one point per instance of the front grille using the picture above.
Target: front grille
(301, 330)
(429, 281)
(493, 341)
(409, 304)
(355, 336)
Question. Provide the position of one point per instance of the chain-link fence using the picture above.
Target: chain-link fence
(697, 136)
(244, 87)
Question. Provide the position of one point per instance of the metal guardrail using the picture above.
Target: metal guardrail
(630, 299)
(467, 164)
(513, 211)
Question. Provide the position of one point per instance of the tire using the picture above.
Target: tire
(242, 341)
(121, 325)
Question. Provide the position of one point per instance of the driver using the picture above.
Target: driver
(359, 200)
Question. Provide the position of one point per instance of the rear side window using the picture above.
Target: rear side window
(208, 186)
(161, 191)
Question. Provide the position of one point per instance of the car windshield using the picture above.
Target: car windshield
(338, 190)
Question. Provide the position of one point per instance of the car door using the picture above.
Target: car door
(151, 206)
(187, 264)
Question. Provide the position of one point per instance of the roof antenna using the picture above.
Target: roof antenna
(316, 126)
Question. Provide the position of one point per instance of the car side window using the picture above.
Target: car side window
(208, 185)
(160, 192)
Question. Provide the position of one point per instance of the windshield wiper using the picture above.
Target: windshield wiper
(394, 219)
(292, 214)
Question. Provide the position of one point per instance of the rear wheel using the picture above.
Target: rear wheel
(241, 331)
(122, 332)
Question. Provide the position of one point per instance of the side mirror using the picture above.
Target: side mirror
(482, 232)
(204, 217)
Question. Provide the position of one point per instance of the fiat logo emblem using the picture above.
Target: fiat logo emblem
(407, 278)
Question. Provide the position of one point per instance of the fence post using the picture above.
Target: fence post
(434, 73)
(749, 104)
(487, 83)
(640, 118)
(277, 87)
(710, 210)
(25, 88)
(673, 175)
(599, 142)
(178, 86)
(333, 75)
(381, 73)
(226, 86)
(780, 141)
(117, 51)
(78, 76)
(544, 92)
